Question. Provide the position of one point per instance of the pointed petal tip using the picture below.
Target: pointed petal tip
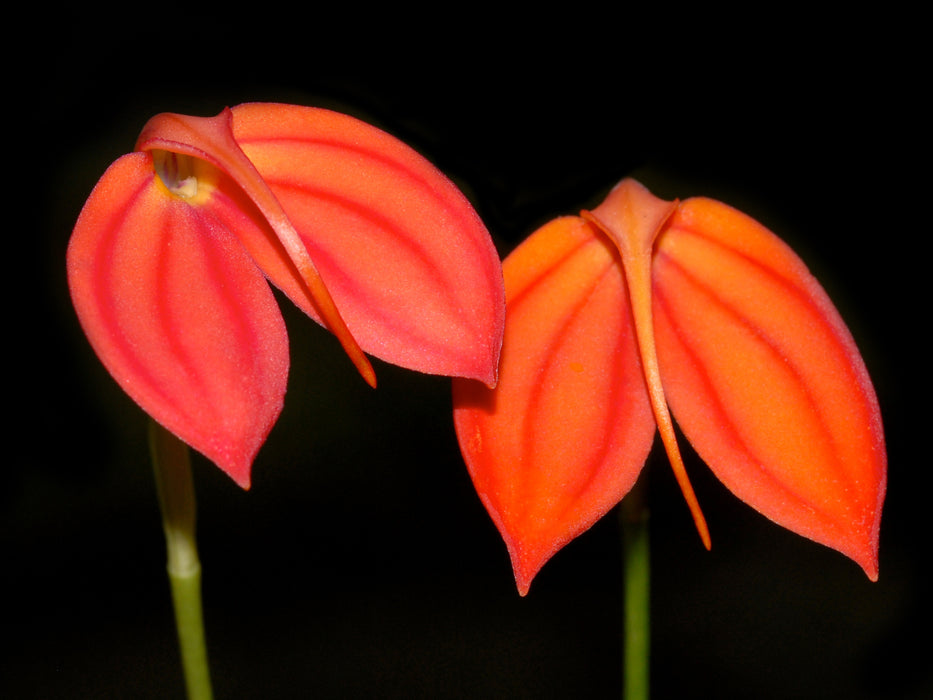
(524, 575)
(865, 557)
(483, 374)
(242, 476)
(490, 379)
(869, 563)
(527, 561)
(483, 366)
(236, 467)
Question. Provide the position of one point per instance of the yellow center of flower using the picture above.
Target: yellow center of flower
(178, 172)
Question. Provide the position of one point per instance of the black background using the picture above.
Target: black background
(361, 563)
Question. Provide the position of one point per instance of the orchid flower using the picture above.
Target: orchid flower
(169, 261)
(645, 308)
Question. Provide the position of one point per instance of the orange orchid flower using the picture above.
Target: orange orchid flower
(169, 261)
(644, 304)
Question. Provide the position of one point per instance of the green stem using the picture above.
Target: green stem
(633, 517)
(172, 464)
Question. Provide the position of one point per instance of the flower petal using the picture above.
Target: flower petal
(210, 139)
(566, 432)
(408, 261)
(179, 314)
(765, 380)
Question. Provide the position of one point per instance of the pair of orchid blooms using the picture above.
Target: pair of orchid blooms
(566, 357)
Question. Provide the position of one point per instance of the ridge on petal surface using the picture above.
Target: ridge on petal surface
(765, 379)
(406, 257)
(565, 434)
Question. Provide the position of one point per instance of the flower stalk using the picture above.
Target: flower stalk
(172, 464)
(636, 577)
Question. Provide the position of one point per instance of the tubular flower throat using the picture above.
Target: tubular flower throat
(643, 309)
(170, 261)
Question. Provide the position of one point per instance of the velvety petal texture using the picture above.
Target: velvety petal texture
(565, 435)
(408, 261)
(169, 261)
(690, 304)
(765, 379)
(179, 314)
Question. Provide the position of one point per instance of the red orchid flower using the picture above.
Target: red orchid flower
(643, 304)
(169, 261)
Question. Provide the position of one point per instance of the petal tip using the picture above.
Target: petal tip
(527, 562)
(524, 575)
(237, 468)
(869, 564)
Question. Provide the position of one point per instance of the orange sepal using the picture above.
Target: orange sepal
(406, 258)
(632, 218)
(765, 379)
(178, 312)
(563, 437)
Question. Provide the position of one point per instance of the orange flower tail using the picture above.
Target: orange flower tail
(632, 218)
